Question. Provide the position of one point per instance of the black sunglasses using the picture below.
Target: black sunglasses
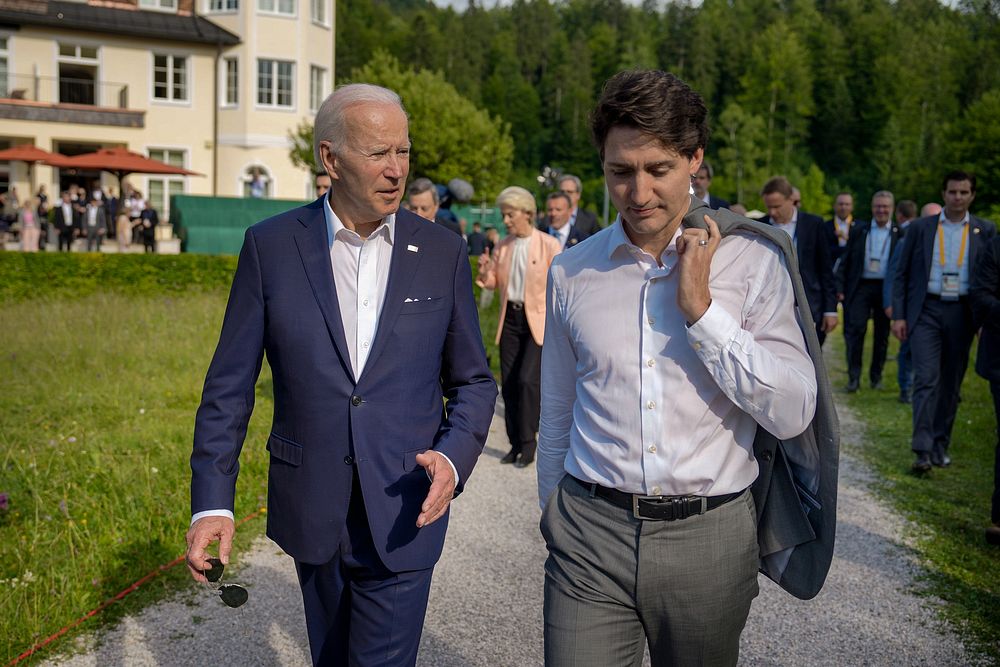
(233, 595)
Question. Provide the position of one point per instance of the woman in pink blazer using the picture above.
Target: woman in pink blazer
(518, 270)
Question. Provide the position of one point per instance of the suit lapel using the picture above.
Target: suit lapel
(931, 232)
(314, 251)
(975, 242)
(403, 266)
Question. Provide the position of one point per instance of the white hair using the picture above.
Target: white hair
(330, 119)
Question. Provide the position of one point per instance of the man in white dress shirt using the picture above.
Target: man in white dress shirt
(665, 347)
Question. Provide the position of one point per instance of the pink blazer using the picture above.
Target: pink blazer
(541, 249)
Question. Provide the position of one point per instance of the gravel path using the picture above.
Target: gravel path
(486, 602)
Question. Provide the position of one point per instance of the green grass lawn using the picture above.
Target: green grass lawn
(949, 508)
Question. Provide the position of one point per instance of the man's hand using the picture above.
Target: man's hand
(899, 329)
(829, 323)
(888, 312)
(442, 487)
(485, 261)
(695, 248)
(203, 532)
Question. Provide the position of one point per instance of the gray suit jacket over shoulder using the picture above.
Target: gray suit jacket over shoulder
(796, 488)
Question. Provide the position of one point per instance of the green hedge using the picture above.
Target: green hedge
(58, 275)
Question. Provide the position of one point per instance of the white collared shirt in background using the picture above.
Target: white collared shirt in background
(634, 399)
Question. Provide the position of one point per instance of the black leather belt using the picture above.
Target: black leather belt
(657, 508)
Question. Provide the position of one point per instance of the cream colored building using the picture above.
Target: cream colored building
(214, 86)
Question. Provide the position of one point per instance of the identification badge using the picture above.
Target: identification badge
(874, 265)
(949, 286)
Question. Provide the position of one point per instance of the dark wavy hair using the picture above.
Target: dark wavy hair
(656, 103)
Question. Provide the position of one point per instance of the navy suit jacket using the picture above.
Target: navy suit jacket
(815, 266)
(852, 263)
(984, 293)
(575, 236)
(428, 344)
(913, 270)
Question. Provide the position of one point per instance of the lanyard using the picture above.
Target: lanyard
(847, 230)
(961, 248)
(885, 243)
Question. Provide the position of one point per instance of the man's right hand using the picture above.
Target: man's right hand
(899, 329)
(202, 533)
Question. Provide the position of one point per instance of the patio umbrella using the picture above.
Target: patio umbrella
(121, 162)
(30, 154)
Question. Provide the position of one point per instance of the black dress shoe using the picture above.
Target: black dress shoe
(993, 534)
(923, 462)
(853, 386)
(939, 457)
(510, 458)
(904, 397)
(524, 461)
(877, 384)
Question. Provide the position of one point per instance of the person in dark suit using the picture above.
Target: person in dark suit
(584, 221)
(67, 222)
(558, 205)
(930, 307)
(860, 278)
(838, 228)
(906, 212)
(95, 224)
(422, 199)
(367, 318)
(701, 182)
(984, 295)
(148, 220)
(813, 250)
(476, 240)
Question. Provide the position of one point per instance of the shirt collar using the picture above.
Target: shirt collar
(334, 224)
(619, 239)
(943, 218)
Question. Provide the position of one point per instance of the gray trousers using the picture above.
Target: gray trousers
(613, 581)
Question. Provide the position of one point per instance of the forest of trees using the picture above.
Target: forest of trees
(855, 95)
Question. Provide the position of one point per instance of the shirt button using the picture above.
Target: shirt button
(349, 460)
(656, 490)
(364, 344)
(651, 320)
(696, 346)
(651, 362)
(651, 405)
(652, 449)
(365, 302)
(355, 401)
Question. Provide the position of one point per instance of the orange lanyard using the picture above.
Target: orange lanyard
(843, 234)
(961, 248)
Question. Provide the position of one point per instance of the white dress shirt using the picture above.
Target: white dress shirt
(518, 269)
(634, 399)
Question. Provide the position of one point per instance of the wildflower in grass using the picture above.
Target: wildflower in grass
(154, 470)
(142, 411)
(4, 502)
(71, 439)
(64, 508)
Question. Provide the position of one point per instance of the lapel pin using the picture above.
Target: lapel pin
(412, 248)
(975, 230)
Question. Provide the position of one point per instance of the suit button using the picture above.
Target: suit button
(349, 460)
(355, 401)
(766, 455)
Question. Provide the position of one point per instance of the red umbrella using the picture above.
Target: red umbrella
(30, 154)
(121, 162)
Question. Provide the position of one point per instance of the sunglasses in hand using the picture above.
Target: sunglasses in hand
(233, 595)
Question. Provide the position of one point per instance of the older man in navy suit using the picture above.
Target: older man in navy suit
(367, 318)
(930, 307)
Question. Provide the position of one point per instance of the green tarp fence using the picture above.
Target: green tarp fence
(215, 225)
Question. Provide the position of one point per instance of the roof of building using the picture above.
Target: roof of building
(126, 22)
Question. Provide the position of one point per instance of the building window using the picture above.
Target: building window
(274, 83)
(170, 80)
(256, 182)
(317, 87)
(284, 7)
(231, 71)
(318, 11)
(223, 5)
(78, 74)
(161, 188)
(160, 5)
(4, 68)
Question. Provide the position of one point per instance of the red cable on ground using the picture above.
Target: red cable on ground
(101, 607)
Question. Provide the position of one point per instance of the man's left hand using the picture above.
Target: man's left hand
(695, 248)
(442, 487)
(830, 323)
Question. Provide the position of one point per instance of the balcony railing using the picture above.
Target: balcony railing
(64, 90)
